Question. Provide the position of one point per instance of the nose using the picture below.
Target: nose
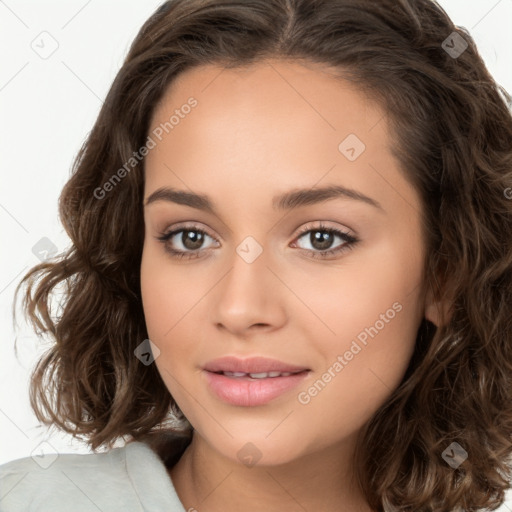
(249, 298)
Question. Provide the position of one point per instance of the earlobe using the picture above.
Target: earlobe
(437, 310)
(433, 313)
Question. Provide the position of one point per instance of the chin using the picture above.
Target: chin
(257, 451)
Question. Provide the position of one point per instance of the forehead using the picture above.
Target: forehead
(272, 108)
(287, 87)
(273, 125)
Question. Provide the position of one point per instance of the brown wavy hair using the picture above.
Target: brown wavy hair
(452, 129)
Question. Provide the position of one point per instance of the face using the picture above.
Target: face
(330, 283)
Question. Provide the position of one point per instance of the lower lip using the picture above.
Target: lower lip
(248, 392)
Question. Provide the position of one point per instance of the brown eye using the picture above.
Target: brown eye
(185, 242)
(321, 240)
(191, 240)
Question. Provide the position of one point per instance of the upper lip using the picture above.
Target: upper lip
(251, 365)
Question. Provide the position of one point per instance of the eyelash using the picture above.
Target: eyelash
(349, 244)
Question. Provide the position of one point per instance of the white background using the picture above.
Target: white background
(48, 106)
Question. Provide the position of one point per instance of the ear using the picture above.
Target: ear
(437, 310)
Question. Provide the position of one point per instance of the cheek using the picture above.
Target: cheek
(169, 293)
(160, 299)
(157, 302)
(378, 289)
(368, 317)
(167, 298)
(362, 365)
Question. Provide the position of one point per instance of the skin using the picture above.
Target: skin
(255, 133)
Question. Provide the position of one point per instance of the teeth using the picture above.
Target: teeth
(262, 375)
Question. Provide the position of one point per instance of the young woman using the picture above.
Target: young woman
(290, 279)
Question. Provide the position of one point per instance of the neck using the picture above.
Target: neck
(206, 480)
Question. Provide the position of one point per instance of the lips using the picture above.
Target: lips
(253, 381)
(248, 392)
(252, 365)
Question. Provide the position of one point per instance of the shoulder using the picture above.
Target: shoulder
(49, 465)
(88, 481)
(129, 478)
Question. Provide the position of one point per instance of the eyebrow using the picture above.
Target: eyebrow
(287, 201)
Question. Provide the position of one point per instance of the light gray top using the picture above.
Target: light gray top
(128, 479)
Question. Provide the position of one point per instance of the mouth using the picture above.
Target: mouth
(256, 367)
(252, 389)
(258, 375)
